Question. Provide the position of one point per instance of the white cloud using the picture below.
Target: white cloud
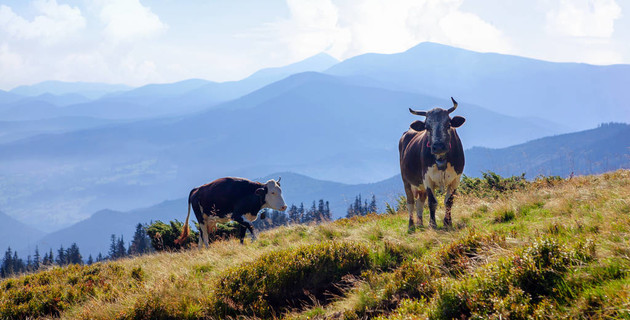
(54, 22)
(347, 28)
(584, 18)
(128, 20)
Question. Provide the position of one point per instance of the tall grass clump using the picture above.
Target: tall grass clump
(283, 279)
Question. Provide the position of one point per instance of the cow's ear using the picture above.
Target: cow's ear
(457, 121)
(417, 125)
(261, 191)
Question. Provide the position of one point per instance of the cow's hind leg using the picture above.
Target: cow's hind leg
(410, 205)
(432, 207)
(202, 228)
(420, 205)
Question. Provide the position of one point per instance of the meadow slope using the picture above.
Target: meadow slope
(550, 249)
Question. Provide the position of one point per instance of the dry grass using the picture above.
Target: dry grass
(593, 209)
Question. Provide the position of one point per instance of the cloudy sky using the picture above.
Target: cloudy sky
(151, 41)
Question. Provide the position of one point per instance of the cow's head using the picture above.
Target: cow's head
(438, 124)
(273, 195)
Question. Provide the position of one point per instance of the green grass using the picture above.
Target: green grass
(548, 249)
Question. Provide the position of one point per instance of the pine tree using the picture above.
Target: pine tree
(73, 255)
(120, 248)
(51, 257)
(372, 207)
(301, 212)
(327, 211)
(141, 242)
(61, 256)
(36, 259)
(112, 247)
(294, 214)
(6, 269)
(321, 210)
(90, 260)
(99, 258)
(18, 264)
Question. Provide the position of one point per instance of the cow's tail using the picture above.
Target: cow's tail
(185, 229)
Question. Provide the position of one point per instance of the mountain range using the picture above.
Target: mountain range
(77, 152)
(575, 95)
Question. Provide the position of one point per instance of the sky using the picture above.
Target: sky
(137, 42)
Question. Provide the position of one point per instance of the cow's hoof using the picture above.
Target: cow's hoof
(448, 224)
(432, 224)
(411, 229)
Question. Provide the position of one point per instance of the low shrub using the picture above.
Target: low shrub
(283, 279)
(455, 258)
(491, 185)
(163, 235)
(531, 282)
(48, 293)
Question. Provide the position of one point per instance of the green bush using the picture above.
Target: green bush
(491, 185)
(283, 279)
(163, 235)
(48, 293)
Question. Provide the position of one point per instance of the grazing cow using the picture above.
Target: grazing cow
(431, 157)
(231, 199)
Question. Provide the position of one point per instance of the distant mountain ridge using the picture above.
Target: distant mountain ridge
(91, 90)
(593, 151)
(579, 96)
(16, 234)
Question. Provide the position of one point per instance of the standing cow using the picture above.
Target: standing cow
(231, 199)
(431, 157)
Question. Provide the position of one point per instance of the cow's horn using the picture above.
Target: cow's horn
(418, 113)
(279, 178)
(451, 109)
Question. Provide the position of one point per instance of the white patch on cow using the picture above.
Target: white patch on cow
(440, 179)
(273, 198)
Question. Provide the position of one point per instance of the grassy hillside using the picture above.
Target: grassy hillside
(549, 249)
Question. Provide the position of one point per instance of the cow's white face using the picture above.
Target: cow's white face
(273, 198)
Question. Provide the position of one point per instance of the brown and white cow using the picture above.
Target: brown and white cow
(230, 198)
(431, 158)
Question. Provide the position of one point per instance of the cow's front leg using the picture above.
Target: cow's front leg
(432, 206)
(411, 199)
(420, 205)
(246, 225)
(448, 203)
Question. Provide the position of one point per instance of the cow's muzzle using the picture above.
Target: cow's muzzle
(438, 148)
(440, 161)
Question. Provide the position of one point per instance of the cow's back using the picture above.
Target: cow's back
(221, 195)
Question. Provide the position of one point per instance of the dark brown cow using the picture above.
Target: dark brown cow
(431, 157)
(231, 199)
